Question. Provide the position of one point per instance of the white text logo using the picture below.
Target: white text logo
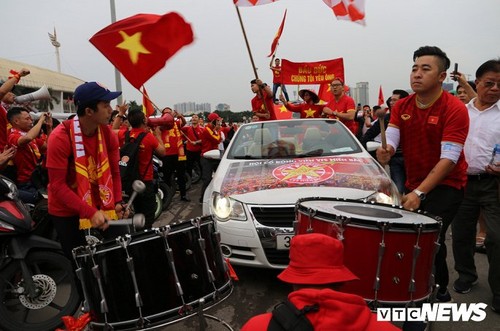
(439, 312)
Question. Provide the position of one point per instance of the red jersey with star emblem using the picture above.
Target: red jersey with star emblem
(276, 74)
(423, 130)
(306, 110)
(258, 106)
(344, 105)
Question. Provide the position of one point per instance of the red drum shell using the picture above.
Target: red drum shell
(366, 228)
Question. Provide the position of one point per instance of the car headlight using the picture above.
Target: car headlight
(225, 208)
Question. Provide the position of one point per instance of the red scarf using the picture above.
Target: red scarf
(93, 171)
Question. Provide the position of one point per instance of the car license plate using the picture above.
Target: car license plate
(283, 241)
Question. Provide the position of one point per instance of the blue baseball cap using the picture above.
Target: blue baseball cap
(90, 92)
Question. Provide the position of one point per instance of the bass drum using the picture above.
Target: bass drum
(153, 278)
(391, 250)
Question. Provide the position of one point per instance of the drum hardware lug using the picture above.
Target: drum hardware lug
(164, 231)
(400, 255)
(189, 252)
(416, 253)
(396, 280)
(124, 241)
(194, 276)
(312, 214)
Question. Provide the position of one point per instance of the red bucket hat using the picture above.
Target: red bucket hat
(316, 258)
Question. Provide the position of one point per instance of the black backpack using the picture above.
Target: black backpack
(129, 161)
(287, 317)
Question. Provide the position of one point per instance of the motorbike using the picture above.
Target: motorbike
(166, 192)
(37, 282)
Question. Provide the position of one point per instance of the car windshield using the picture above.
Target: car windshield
(292, 139)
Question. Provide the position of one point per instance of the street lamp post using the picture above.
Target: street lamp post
(118, 78)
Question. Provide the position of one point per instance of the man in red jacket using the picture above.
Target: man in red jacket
(317, 271)
(210, 140)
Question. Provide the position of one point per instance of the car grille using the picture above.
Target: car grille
(277, 257)
(280, 217)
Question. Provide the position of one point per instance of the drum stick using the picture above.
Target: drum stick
(382, 131)
(383, 137)
(138, 221)
(138, 187)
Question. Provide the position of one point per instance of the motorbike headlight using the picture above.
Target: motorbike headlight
(225, 208)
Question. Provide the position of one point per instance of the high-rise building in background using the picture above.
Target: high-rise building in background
(188, 108)
(361, 93)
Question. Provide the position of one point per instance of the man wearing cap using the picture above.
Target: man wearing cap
(342, 106)
(262, 102)
(82, 161)
(210, 140)
(317, 271)
(308, 109)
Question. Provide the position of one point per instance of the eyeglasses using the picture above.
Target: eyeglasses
(491, 84)
(335, 85)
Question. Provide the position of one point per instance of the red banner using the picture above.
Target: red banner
(303, 73)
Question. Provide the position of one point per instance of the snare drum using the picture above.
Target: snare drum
(155, 277)
(391, 250)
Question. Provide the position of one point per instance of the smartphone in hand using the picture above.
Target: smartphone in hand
(455, 72)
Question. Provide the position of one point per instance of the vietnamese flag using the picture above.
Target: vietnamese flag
(351, 10)
(325, 93)
(140, 45)
(248, 3)
(276, 39)
(381, 99)
(281, 112)
(147, 106)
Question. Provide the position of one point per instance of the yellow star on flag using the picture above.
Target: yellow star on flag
(133, 45)
(283, 109)
(309, 112)
(303, 170)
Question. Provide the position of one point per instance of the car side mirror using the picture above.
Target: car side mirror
(212, 154)
(372, 146)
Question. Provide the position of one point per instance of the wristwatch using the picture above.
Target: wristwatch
(421, 195)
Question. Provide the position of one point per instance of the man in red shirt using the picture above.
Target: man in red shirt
(263, 93)
(210, 140)
(144, 203)
(342, 106)
(308, 109)
(431, 126)
(192, 133)
(30, 147)
(276, 69)
(91, 196)
(6, 96)
(174, 160)
(317, 272)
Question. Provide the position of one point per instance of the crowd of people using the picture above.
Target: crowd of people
(439, 151)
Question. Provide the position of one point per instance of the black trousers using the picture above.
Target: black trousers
(172, 164)
(443, 201)
(208, 167)
(192, 158)
(145, 203)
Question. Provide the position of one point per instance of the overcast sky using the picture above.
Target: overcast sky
(216, 67)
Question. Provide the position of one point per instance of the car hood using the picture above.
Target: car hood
(283, 181)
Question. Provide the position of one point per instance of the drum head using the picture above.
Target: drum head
(358, 212)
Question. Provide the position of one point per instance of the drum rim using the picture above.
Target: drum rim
(226, 289)
(150, 234)
(301, 207)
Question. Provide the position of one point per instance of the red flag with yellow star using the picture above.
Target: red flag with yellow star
(381, 100)
(140, 45)
(281, 112)
(147, 106)
(277, 37)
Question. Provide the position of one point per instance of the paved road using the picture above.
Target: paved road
(258, 290)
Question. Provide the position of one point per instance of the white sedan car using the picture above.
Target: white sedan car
(270, 165)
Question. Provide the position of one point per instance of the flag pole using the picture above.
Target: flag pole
(246, 42)
(147, 97)
(251, 57)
